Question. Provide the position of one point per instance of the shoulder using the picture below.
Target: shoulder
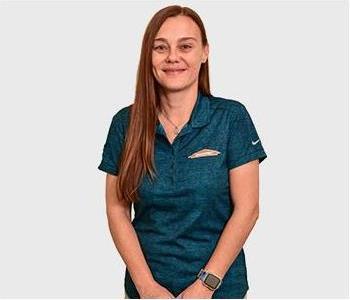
(234, 108)
(122, 113)
(121, 117)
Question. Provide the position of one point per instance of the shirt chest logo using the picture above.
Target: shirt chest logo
(204, 152)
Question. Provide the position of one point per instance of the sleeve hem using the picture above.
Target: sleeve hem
(107, 169)
(261, 155)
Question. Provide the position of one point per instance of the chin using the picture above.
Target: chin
(172, 83)
(173, 88)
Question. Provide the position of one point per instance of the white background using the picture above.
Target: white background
(67, 67)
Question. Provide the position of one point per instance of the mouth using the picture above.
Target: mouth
(173, 71)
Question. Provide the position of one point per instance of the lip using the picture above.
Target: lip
(173, 71)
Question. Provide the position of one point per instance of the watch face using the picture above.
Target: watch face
(212, 281)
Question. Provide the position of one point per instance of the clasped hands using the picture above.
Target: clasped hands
(194, 291)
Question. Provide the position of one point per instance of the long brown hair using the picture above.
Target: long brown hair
(137, 155)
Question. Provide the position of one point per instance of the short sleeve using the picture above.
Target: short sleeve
(244, 143)
(113, 146)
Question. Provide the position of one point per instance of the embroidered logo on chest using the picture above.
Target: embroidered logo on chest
(204, 152)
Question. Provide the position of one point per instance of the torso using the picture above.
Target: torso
(181, 214)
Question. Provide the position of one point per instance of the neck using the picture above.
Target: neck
(178, 106)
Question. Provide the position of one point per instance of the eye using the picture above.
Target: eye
(186, 46)
(160, 47)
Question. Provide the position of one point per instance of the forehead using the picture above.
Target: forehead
(176, 27)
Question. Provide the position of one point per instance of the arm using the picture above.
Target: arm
(125, 238)
(244, 188)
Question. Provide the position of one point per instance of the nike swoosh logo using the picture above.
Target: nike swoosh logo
(254, 143)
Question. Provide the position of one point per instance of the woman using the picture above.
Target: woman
(189, 163)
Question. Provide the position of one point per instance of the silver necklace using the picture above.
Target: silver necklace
(177, 129)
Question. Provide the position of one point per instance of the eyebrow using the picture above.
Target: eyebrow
(180, 39)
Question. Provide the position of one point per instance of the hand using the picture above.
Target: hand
(196, 291)
(155, 291)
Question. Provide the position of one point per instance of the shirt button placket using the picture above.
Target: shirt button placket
(173, 164)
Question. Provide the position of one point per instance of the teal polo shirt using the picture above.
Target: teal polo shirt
(182, 213)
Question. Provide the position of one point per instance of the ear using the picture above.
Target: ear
(205, 53)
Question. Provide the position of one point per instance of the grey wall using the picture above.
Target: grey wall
(67, 67)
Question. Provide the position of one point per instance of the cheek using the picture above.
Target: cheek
(194, 64)
(156, 60)
(194, 69)
(156, 69)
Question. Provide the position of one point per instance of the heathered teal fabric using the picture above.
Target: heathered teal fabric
(182, 214)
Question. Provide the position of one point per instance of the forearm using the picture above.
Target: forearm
(127, 244)
(232, 239)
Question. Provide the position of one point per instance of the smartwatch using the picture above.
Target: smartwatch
(210, 280)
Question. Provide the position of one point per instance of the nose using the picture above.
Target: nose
(173, 55)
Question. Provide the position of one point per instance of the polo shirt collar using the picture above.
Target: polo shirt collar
(199, 116)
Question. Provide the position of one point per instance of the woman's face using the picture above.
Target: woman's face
(177, 53)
